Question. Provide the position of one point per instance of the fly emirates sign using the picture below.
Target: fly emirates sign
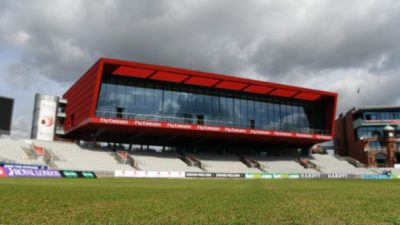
(194, 127)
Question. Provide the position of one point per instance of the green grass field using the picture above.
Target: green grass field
(197, 201)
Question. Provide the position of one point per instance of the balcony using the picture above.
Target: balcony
(205, 121)
(361, 123)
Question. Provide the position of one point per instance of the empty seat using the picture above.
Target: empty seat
(227, 163)
(166, 161)
(331, 164)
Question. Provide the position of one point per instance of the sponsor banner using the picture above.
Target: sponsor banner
(395, 176)
(22, 172)
(47, 117)
(124, 173)
(274, 175)
(21, 166)
(77, 174)
(149, 174)
(310, 175)
(214, 175)
(337, 176)
(87, 174)
(267, 176)
(157, 124)
(166, 174)
(3, 172)
(253, 175)
(293, 176)
(229, 175)
(375, 176)
(69, 174)
(198, 174)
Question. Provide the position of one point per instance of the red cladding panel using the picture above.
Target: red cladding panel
(171, 77)
(258, 89)
(132, 72)
(231, 85)
(206, 82)
(283, 92)
(307, 96)
(80, 98)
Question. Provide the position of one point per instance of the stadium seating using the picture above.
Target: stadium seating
(71, 156)
(12, 151)
(167, 161)
(227, 163)
(284, 164)
(331, 164)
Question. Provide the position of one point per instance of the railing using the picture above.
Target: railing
(205, 121)
(377, 149)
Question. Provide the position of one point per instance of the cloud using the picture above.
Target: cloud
(331, 45)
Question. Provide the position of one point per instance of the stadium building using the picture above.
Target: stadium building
(370, 135)
(135, 103)
(129, 119)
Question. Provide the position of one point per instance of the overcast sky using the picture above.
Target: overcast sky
(336, 45)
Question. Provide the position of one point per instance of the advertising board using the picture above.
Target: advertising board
(77, 174)
(3, 172)
(148, 174)
(157, 124)
(47, 119)
(24, 172)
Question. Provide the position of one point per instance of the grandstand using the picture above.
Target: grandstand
(227, 163)
(70, 156)
(18, 151)
(167, 161)
(73, 157)
(331, 164)
(285, 164)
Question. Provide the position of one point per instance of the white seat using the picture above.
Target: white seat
(227, 163)
(166, 161)
(331, 164)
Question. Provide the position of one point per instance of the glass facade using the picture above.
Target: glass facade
(376, 146)
(381, 115)
(373, 131)
(122, 97)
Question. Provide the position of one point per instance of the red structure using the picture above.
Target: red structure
(83, 122)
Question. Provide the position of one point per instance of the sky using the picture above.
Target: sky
(337, 45)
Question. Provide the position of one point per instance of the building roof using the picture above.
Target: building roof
(211, 80)
(376, 108)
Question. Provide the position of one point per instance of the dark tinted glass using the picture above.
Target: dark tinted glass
(6, 107)
(135, 99)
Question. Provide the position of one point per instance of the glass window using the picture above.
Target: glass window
(130, 98)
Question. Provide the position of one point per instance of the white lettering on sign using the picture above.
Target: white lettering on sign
(304, 135)
(179, 126)
(147, 123)
(260, 132)
(322, 137)
(284, 134)
(234, 130)
(114, 121)
(208, 128)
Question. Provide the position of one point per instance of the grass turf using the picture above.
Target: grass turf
(198, 201)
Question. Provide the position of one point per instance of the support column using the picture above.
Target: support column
(371, 159)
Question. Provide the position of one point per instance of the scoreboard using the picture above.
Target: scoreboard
(6, 109)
